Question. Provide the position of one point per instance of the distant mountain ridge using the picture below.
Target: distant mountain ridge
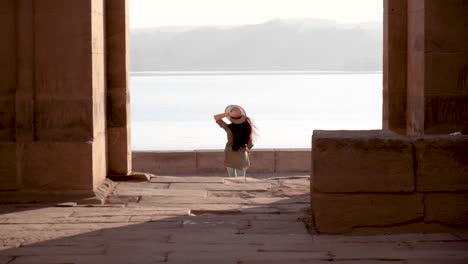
(280, 44)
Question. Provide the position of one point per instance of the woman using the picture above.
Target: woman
(240, 134)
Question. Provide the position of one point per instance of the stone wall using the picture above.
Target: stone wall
(210, 162)
(379, 179)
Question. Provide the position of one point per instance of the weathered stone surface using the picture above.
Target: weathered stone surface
(275, 227)
(160, 162)
(293, 160)
(169, 179)
(149, 185)
(442, 163)
(362, 161)
(262, 161)
(158, 192)
(176, 200)
(5, 259)
(54, 170)
(447, 208)
(340, 213)
(8, 179)
(210, 161)
(217, 187)
(409, 237)
(387, 251)
(87, 259)
(55, 251)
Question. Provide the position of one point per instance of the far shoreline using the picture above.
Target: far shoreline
(253, 72)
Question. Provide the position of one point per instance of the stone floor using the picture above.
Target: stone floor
(202, 220)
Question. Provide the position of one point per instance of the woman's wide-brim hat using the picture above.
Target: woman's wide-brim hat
(239, 120)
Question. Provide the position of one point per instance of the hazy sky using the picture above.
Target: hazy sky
(153, 13)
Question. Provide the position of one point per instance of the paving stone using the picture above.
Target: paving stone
(231, 254)
(171, 201)
(403, 228)
(156, 218)
(133, 212)
(319, 238)
(280, 200)
(292, 208)
(393, 251)
(32, 220)
(89, 259)
(94, 219)
(280, 217)
(146, 185)
(141, 248)
(169, 179)
(308, 261)
(90, 226)
(24, 227)
(234, 227)
(159, 192)
(240, 194)
(219, 187)
(435, 261)
(461, 235)
(121, 199)
(259, 210)
(289, 246)
(285, 257)
(275, 227)
(252, 186)
(212, 221)
(40, 213)
(55, 250)
(5, 259)
(290, 192)
(214, 208)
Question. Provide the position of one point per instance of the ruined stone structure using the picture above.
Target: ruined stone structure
(64, 105)
(412, 175)
(64, 113)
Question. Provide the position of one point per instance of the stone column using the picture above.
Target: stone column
(394, 66)
(8, 50)
(416, 67)
(437, 67)
(52, 86)
(118, 101)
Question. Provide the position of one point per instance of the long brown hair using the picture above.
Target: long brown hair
(242, 133)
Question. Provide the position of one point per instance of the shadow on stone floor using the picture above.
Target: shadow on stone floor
(157, 229)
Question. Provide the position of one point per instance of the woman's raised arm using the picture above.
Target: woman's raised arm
(220, 116)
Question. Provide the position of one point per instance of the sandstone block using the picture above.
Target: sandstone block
(442, 163)
(293, 160)
(340, 213)
(144, 161)
(58, 166)
(160, 162)
(119, 154)
(8, 176)
(447, 208)
(362, 161)
(210, 161)
(262, 161)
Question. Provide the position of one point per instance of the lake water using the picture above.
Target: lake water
(174, 110)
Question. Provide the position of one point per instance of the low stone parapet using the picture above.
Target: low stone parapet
(377, 179)
(210, 162)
